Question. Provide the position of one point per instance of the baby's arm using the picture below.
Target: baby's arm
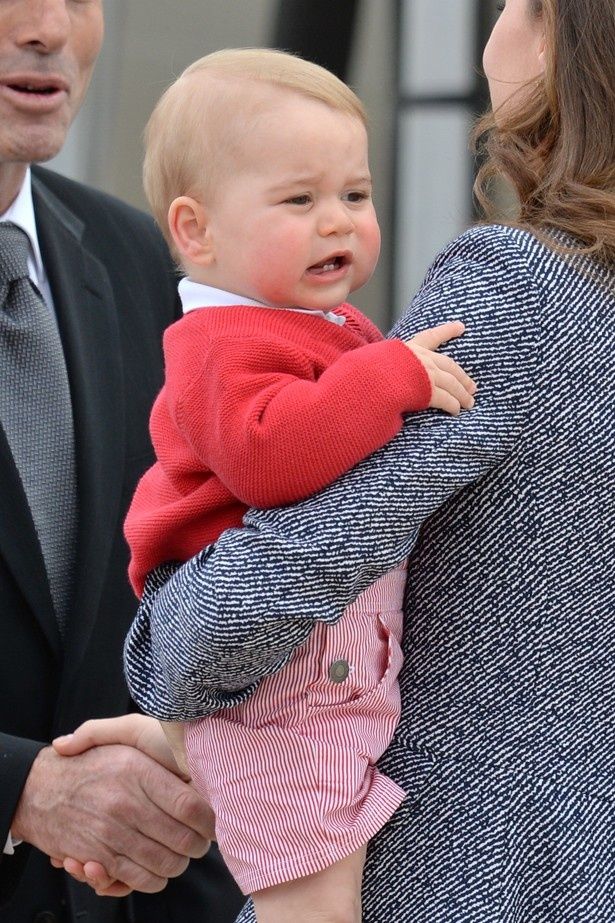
(275, 432)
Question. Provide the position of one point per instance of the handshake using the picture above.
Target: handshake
(110, 805)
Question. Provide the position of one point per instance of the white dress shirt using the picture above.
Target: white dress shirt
(21, 213)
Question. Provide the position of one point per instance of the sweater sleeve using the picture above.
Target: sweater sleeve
(243, 605)
(369, 331)
(275, 429)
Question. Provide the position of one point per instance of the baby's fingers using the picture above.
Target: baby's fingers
(97, 732)
(443, 384)
(447, 365)
(117, 889)
(437, 336)
(95, 875)
(105, 886)
(74, 868)
(443, 400)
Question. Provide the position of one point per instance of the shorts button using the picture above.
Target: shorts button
(338, 671)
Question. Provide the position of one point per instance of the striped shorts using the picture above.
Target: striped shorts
(290, 773)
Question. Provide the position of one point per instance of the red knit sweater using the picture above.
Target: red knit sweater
(261, 408)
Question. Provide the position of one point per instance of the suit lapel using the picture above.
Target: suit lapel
(84, 304)
(20, 547)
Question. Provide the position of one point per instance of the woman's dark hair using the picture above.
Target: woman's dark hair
(557, 145)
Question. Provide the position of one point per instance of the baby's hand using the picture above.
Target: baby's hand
(451, 388)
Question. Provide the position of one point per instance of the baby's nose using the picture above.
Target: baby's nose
(335, 219)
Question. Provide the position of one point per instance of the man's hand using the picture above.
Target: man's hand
(451, 388)
(115, 806)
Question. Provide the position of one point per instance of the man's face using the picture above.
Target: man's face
(47, 52)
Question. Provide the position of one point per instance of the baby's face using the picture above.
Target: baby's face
(293, 223)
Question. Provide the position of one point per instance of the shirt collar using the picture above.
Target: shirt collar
(21, 213)
(196, 295)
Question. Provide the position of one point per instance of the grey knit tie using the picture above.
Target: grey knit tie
(36, 413)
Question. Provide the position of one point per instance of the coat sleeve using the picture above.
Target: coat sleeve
(16, 757)
(242, 606)
(275, 429)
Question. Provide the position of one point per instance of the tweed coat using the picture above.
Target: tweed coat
(505, 746)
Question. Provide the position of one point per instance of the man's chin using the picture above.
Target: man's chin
(32, 145)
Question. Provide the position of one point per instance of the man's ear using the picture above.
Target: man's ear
(189, 228)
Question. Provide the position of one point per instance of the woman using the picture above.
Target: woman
(505, 744)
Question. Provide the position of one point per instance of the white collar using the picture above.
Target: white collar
(196, 295)
(21, 213)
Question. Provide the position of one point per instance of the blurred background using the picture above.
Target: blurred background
(414, 63)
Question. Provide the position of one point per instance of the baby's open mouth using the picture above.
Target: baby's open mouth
(330, 264)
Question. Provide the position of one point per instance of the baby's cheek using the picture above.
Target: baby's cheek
(372, 241)
(367, 257)
(266, 283)
(276, 270)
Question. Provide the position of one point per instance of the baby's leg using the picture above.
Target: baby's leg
(174, 733)
(330, 896)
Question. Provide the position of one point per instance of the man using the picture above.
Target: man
(103, 276)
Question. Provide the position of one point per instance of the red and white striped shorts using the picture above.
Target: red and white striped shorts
(291, 772)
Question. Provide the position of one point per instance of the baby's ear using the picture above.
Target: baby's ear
(189, 226)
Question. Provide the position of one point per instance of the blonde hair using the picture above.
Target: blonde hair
(557, 146)
(197, 125)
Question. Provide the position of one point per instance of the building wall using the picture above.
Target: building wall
(441, 91)
(419, 157)
(149, 42)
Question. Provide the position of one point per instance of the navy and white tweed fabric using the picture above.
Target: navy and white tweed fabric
(506, 745)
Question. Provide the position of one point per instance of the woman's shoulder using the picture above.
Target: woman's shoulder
(489, 271)
(494, 247)
(495, 254)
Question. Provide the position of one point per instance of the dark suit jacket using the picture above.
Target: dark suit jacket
(114, 293)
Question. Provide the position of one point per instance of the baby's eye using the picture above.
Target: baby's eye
(299, 200)
(356, 196)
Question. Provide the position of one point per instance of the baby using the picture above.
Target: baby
(257, 169)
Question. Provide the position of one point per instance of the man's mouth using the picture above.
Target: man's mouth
(25, 88)
(330, 264)
(35, 85)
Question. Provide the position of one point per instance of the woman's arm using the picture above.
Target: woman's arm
(243, 605)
